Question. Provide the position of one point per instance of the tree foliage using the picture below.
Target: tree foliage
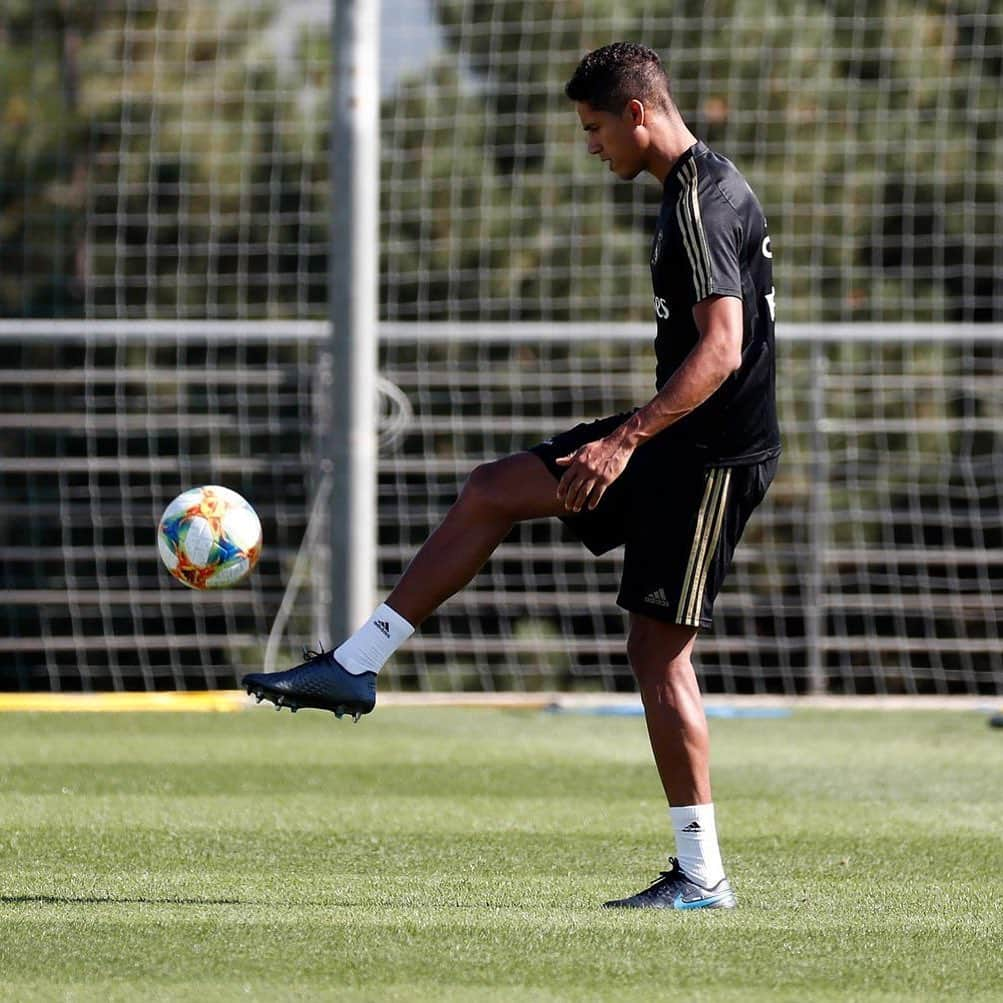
(168, 161)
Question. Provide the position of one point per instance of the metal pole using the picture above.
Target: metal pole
(350, 456)
(816, 612)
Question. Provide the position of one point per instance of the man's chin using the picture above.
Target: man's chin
(627, 174)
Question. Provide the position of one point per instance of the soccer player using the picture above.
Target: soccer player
(673, 481)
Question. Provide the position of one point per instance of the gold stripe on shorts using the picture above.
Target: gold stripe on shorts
(710, 519)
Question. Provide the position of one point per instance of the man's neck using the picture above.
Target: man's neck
(670, 139)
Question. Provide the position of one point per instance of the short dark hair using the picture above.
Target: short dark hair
(609, 77)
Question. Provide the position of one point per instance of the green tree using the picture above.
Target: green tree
(43, 143)
(872, 139)
(155, 163)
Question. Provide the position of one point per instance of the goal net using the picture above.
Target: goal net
(164, 214)
(875, 565)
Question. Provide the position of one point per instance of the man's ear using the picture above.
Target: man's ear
(636, 111)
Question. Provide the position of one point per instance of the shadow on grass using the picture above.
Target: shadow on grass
(383, 903)
(116, 900)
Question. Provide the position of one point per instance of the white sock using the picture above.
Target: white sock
(369, 648)
(696, 843)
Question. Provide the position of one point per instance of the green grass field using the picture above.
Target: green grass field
(462, 854)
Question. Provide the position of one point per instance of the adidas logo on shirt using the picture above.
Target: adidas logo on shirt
(658, 598)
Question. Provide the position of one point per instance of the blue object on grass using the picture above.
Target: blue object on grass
(725, 711)
(636, 710)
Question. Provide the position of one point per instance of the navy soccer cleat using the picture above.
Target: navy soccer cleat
(320, 682)
(673, 890)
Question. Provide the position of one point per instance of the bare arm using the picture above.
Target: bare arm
(715, 356)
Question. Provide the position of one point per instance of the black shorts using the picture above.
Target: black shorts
(678, 518)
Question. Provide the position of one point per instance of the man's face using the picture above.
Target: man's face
(614, 138)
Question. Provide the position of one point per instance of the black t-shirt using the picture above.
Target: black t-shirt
(711, 239)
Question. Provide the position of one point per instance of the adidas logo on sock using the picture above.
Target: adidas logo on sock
(383, 627)
(694, 826)
(658, 598)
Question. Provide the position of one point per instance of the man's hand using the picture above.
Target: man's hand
(716, 355)
(591, 470)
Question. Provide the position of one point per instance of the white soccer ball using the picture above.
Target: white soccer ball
(209, 538)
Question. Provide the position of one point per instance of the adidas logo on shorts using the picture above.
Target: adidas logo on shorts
(658, 598)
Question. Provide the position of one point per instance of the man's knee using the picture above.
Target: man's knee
(487, 488)
(515, 487)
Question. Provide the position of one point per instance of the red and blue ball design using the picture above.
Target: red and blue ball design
(209, 537)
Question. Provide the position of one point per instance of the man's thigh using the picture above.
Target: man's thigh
(654, 644)
(519, 485)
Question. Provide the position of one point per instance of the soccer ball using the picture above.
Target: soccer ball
(209, 538)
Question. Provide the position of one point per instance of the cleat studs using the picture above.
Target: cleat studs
(278, 705)
(259, 696)
(293, 708)
(356, 716)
